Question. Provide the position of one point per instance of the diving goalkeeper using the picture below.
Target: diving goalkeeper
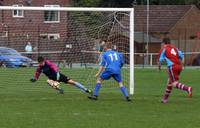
(54, 76)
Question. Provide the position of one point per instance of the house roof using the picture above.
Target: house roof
(162, 18)
(121, 28)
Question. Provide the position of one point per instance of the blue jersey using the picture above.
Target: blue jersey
(112, 61)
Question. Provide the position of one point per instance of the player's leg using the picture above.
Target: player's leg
(183, 87)
(169, 85)
(95, 94)
(79, 85)
(104, 76)
(67, 80)
(123, 89)
(176, 72)
(167, 92)
(55, 85)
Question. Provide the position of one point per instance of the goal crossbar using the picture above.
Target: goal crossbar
(65, 8)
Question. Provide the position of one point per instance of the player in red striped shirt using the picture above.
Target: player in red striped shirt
(173, 58)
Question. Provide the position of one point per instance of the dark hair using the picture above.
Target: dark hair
(108, 45)
(166, 40)
(40, 59)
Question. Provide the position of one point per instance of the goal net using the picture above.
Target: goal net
(73, 38)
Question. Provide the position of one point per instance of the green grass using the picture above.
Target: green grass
(27, 105)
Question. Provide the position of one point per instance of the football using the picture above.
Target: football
(53, 83)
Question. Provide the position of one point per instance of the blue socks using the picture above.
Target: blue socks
(80, 86)
(98, 86)
(96, 89)
(124, 91)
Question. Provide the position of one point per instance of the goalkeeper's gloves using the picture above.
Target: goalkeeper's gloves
(33, 79)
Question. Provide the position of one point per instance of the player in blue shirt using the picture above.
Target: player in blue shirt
(110, 66)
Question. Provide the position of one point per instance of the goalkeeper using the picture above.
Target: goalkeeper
(54, 76)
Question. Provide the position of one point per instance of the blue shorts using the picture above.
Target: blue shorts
(106, 75)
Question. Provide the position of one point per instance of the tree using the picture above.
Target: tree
(116, 3)
(86, 3)
(129, 3)
(102, 3)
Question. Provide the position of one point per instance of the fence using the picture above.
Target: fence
(141, 59)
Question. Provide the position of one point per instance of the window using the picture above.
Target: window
(54, 36)
(52, 16)
(4, 34)
(18, 13)
(43, 36)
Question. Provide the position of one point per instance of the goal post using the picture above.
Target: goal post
(131, 86)
(114, 26)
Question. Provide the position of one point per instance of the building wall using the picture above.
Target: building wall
(30, 27)
(185, 29)
(188, 26)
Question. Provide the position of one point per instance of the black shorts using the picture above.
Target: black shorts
(63, 78)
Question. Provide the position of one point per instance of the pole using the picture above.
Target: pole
(147, 45)
(131, 86)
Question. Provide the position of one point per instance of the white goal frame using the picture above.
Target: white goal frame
(131, 39)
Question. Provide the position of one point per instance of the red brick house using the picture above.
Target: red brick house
(179, 22)
(46, 30)
(19, 27)
(58, 29)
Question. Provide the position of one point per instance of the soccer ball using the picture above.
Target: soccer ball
(53, 84)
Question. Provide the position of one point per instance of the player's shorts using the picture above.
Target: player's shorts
(106, 75)
(62, 78)
(174, 72)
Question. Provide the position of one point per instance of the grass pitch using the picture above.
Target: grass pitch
(27, 105)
